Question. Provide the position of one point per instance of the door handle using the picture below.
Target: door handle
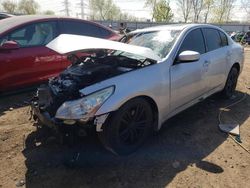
(206, 63)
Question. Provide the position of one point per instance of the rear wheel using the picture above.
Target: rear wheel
(231, 83)
(128, 128)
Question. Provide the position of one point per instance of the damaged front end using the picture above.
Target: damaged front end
(60, 104)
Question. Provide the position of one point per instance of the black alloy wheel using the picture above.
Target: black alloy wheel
(128, 128)
(231, 83)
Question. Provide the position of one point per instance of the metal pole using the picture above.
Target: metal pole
(82, 9)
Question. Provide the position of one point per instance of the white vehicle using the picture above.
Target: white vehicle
(125, 91)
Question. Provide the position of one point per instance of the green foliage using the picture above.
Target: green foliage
(161, 11)
(49, 12)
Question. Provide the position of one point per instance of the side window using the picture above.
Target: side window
(81, 28)
(212, 38)
(34, 35)
(223, 37)
(194, 41)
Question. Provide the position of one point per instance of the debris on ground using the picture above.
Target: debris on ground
(20, 183)
(233, 129)
(176, 164)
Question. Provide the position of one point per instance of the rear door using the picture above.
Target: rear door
(188, 79)
(33, 62)
(218, 55)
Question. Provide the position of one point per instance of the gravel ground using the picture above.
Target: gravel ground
(189, 151)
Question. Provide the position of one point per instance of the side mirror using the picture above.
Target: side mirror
(9, 45)
(188, 56)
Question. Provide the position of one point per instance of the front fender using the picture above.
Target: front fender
(152, 81)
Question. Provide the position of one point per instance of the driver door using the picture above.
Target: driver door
(188, 78)
(32, 62)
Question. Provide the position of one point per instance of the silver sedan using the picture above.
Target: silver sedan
(125, 91)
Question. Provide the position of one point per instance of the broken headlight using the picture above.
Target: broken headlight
(84, 108)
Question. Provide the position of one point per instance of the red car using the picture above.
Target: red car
(24, 57)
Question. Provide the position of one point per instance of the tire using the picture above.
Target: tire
(231, 83)
(126, 129)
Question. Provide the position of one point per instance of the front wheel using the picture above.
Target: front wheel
(128, 128)
(231, 83)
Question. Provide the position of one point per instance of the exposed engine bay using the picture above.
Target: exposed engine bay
(85, 71)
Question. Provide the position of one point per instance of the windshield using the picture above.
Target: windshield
(160, 42)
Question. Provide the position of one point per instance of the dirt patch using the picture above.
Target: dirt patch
(189, 151)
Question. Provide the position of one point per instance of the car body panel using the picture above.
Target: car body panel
(153, 81)
(20, 66)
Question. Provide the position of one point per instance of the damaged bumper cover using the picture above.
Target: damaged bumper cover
(59, 125)
(44, 117)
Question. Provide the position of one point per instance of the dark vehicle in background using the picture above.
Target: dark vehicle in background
(4, 15)
(239, 36)
(24, 58)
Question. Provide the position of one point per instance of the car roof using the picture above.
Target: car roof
(170, 27)
(15, 21)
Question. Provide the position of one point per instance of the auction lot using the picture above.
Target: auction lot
(189, 151)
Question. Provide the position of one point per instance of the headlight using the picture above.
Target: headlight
(84, 108)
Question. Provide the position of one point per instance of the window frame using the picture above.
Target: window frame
(63, 26)
(182, 40)
(217, 31)
(222, 33)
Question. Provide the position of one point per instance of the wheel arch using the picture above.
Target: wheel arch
(155, 110)
(153, 105)
(237, 66)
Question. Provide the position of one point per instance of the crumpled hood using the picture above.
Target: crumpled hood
(66, 43)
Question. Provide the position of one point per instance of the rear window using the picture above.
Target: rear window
(83, 28)
(212, 38)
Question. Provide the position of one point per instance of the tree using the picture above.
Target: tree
(107, 10)
(185, 6)
(161, 11)
(197, 7)
(207, 8)
(9, 6)
(152, 5)
(49, 12)
(28, 6)
(222, 10)
(246, 6)
(103, 9)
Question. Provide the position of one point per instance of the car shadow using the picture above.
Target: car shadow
(185, 140)
(15, 100)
